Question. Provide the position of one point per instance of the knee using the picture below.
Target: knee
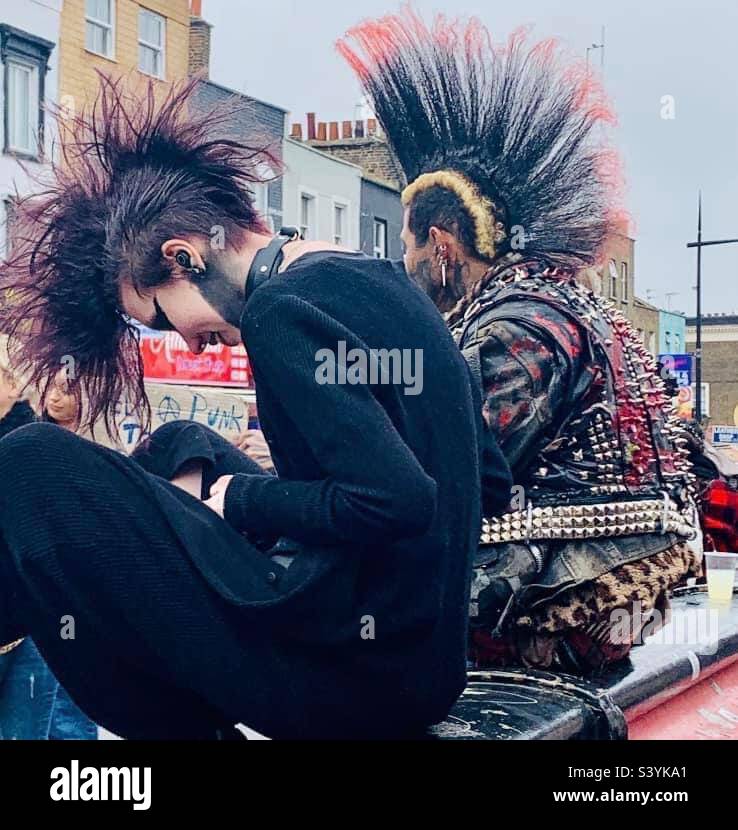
(181, 431)
(174, 444)
(40, 441)
(176, 431)
(171, 431)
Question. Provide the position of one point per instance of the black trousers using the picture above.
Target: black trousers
(155, 652)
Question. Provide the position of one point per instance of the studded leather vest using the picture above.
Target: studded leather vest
(618, 438)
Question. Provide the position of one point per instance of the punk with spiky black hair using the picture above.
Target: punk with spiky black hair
(205, 592)
(512, 197)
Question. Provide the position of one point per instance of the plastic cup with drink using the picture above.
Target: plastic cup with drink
(721, 568)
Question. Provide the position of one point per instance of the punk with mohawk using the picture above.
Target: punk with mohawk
(131, 170)
(512, 194)
(194, 577)
(500, 138)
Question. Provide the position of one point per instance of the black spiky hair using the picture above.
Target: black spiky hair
(517, 121)
(134, 169)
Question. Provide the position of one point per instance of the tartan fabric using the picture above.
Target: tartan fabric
(720, 517)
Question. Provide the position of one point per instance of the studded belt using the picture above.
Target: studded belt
(590, 521)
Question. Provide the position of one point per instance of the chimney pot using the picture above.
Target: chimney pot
(196, 8)
(359, 130)
(371, 126)
(322, 127)
(296, 132)
(311, 126)
(346, 130)
(333, 134)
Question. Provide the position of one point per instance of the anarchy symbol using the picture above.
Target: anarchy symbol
(169, 409)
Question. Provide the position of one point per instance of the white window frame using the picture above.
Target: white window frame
(260, 191)
(32, 69)
(342, 238)
(379, 253)
(624, 281)
(29, 54)
(103, 24)
(613, 278)
(308, 231)
(161, 48)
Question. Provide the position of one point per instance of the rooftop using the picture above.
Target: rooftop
(729, 318)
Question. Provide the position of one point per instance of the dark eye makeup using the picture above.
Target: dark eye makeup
(161, 321)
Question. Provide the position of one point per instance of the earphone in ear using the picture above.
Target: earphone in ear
(183, 260)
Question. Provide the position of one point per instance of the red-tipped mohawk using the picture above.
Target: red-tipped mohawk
(380, 40)
(520, 121)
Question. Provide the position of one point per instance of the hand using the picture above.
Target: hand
(216, 501)
(254, 445)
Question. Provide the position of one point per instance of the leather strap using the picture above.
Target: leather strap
(267, 261)
(474, 361)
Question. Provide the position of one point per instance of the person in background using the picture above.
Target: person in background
(717, 481)
(62, 404)
(14, 412)
(253, 444)
(33, 704)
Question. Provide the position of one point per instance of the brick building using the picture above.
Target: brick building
(618, 272)
(615, 280)
(645, 318)
(120, 38)
(719, 362)
(361, 143)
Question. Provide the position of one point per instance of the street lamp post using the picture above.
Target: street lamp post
(699, 244)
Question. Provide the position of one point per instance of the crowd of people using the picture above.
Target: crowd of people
(338, 574)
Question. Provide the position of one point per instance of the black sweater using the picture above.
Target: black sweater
(379, 490)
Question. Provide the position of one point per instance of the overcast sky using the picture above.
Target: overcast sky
(282, 51)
